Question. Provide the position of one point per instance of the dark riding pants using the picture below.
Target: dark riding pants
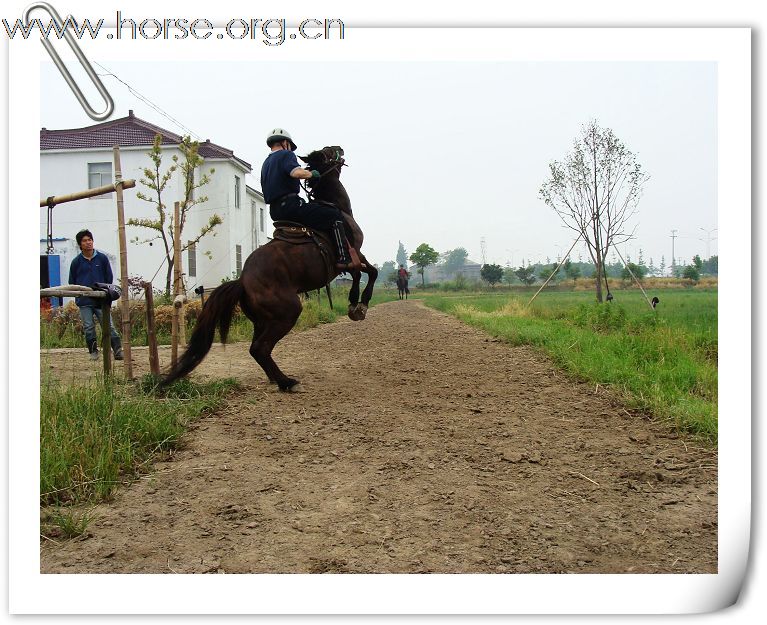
(311, 214)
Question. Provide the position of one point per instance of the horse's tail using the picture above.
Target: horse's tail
(218, 310)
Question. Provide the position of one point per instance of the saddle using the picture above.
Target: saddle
(297, 234)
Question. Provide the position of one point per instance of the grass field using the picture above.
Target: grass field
(663, 361)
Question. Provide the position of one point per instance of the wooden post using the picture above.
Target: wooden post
(81, 195)
(180, 282)
(178, 318)
(124, 304)
(76, 290)
(631, 273)
(151, 334)
(178, 274)
(566, 256)
(106, 309)
(176, 282)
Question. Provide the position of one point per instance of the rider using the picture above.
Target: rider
(402, 273)
(280, 176)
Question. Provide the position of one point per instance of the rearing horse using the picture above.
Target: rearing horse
(296, 260)
(328, 188)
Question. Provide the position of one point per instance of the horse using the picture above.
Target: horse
(328, 188)
(296, 260)
(402, 288)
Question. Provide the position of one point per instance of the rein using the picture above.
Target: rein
(310, 192)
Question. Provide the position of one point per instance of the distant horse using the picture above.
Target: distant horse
(404, 291)
(295, 261)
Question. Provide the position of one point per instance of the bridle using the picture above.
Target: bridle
(337, 162)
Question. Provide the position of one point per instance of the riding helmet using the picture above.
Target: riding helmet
(280, 134)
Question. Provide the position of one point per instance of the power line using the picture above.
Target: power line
(148, 101)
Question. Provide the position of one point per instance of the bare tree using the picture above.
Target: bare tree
(595, 191)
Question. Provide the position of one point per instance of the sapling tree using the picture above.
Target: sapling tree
(526, 275)
(492, 274)
(595, 191)
(424, 256)
(156, 181)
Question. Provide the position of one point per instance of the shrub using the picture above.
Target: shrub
(691, 274)
(600, 317)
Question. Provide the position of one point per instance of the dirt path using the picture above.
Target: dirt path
(435, 449)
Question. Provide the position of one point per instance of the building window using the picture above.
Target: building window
(238, 259)
(261, 219)
(99, 175)
(192, 259)
(237, 192)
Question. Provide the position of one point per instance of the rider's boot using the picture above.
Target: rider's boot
(348, 259)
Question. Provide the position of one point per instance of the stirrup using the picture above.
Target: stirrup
(353, 265)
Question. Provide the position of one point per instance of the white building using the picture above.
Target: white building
(436, 273)
(82, 158)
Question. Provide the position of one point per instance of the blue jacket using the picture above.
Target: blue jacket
(87, 272)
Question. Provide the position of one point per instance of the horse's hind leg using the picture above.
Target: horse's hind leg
(267, 334)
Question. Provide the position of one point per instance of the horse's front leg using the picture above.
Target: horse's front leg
(354, 297)
(361, 309)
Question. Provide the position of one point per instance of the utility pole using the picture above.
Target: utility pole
(673, 258)
(709, 238)
(483, 247)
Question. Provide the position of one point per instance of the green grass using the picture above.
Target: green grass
(94, 437)
(66, 522)
(662, 361)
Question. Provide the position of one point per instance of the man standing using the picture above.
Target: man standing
(280, 182)
(89, 267)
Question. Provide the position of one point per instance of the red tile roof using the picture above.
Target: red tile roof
(125, 132)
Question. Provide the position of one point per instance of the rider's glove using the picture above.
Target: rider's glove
(315, 173)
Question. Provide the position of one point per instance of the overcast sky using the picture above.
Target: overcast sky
(450, 153)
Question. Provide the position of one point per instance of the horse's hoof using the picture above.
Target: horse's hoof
(354, 313)
(289, 386)
(361, 311)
